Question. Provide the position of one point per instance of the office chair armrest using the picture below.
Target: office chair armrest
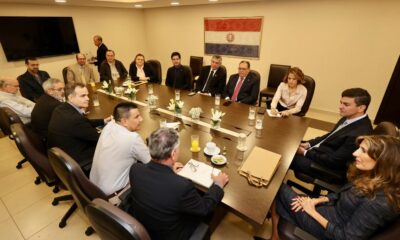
(200, 232)
(326, 172)
(327, 186)
(298, 232)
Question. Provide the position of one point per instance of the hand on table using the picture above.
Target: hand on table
(221, 179)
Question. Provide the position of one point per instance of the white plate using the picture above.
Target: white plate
(221, 159)
(216, 151)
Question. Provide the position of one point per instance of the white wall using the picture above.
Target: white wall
(340, 43)
(122, 30)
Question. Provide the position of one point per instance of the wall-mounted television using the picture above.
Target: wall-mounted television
(23, 37)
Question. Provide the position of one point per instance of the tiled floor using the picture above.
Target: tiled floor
(26, 211)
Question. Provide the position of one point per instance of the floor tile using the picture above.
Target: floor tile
(15, 181)
(9, 231)
(25, 196)
(233, 227)
(3, 212)
(75, 229)
(40, 214)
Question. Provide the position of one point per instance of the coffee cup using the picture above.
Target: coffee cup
(211, 147)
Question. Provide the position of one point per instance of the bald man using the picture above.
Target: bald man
(8, 98)
(80, 72)
(101, 50)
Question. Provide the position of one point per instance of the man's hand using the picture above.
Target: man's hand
(285, 113)
(300, 150)
(177, 167)
(221, 179)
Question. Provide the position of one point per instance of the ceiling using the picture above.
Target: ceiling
(125, 3)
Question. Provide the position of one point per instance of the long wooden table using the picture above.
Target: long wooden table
(279, 135)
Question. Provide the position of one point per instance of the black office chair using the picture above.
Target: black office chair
(8, 117)
(190, 73)
(276, 74)
(310, 85)
(64, 74)
(156, 65)
(71, 175)
(111, 223)
(196, 63)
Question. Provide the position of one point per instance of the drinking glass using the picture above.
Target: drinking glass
(96, 102)
(242, 142)
(150, 89)
(252, 112)
(195, 145)
(177, 94)
(217, 99)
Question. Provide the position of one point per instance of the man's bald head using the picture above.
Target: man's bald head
(9, 85)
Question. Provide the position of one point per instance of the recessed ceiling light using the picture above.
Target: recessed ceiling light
(138, 5)
(213, 0)
(175, 3)
(60, 1)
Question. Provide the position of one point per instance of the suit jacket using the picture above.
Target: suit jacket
(101, 55)
(179, 77)
(167, 204)
(216, 83)
(248, 92)
(74, 74)
(336, 151)
(73, 133)
(29, 86)
(105, 70)
(41, 114)
(148, 70)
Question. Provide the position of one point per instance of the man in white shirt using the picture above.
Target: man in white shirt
(118, 148)
(8, 98)
(80, 71)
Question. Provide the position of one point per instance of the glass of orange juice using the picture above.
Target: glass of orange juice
(195, 143)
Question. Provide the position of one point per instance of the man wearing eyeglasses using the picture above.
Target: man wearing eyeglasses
(244, 86)
(80, 71)
(8, 98)
(41, 113)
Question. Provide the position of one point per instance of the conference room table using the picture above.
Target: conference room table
(279, 135)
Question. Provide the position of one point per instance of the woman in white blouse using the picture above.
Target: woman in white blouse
(291, 94)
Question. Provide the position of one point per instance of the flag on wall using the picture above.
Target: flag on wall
(233, 36)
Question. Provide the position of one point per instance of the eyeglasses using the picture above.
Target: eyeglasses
(58, 89)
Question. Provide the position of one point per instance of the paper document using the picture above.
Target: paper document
(199, 172)
(272, 115)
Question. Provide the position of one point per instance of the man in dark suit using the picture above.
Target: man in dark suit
(167, 204)
(101, 51)
(244, 86)
(334, 149)
(178, 76)
(112, 69)
(30, 83)
(41, 113)
(71, 131)
(212, 78)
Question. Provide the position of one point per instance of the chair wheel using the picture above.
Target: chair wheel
(37, 181)
(19, 166)
(89, 231)
(54, 203)
(62, 224)
(56, 189)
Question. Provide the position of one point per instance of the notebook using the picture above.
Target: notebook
(199, 172)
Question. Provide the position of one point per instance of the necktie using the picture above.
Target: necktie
(205, 88)
(237, 89)
(38, 79)
(344, 124)
(83, 79)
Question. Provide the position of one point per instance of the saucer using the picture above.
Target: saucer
(197, 150)
(218, 159)
(216, 151)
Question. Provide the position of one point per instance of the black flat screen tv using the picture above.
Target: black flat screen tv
(23, 37)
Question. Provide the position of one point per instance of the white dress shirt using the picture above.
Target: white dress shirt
(116, 151)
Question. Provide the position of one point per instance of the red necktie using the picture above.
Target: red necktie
(237, 89)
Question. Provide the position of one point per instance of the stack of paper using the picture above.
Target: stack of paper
(199, 172)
